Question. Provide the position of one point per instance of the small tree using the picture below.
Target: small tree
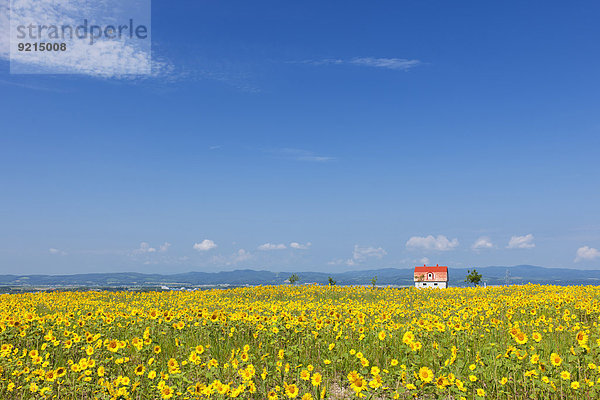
(473, 277)
(374, 281)
(331, 281)
(293, 279)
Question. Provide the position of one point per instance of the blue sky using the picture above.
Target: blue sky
(314, 136)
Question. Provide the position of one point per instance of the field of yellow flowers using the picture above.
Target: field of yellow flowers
(307, 342)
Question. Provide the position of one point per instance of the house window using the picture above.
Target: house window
(435, 284)
(430, 276)
(424, 284)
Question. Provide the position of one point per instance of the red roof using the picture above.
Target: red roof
(425, 268)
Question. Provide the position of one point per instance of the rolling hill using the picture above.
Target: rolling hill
(492, 275)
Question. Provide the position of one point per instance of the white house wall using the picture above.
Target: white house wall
(439, 285)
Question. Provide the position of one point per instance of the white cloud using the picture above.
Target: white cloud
(521, 242)
(340, 261)
(359, 255)
(482, 243)
(424, 260)
(164, 247)
(57, 251)
(398, 64)
(241, 255)
(299, 246)
(237, 257)
(272, 246)
(362, 253)
(586, 253)
(204, 245)
(430, 242)
(144, 248)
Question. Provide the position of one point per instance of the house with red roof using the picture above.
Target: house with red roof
(433, 277)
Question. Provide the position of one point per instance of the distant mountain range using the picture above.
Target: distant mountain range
(520, 274)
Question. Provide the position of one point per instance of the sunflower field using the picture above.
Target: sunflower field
(303, 342)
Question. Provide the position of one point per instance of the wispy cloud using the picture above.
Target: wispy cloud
(439, 243)
(398, 64)
(144, 248)
(4, 29)
(163, 248)
(300, 155)
(57, 252)
(272, 246)
(388, 63)
(300, 246)
(361, 254)
(521, 242)
(109, 59)
(237, 257)
(227, 73)
(106, 58)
